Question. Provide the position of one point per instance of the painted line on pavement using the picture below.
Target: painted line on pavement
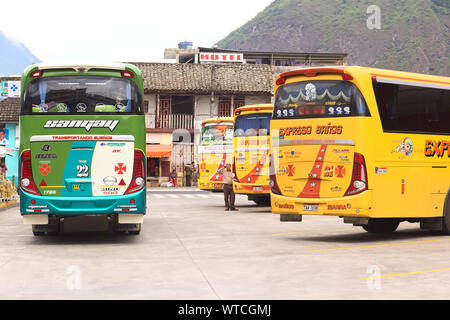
(406, 273)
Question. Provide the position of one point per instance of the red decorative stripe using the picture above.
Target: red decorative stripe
(220, 166)
(256, 171)
(312, 186)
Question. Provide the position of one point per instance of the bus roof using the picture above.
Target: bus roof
(84, 66)
(79, 68)
(355, 71)
(254, 107)
(218, 119)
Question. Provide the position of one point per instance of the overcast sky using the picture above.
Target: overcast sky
(127, 30)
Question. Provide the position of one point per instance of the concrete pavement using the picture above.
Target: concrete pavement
(189, 248)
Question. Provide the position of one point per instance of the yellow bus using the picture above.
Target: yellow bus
(215, 150)
(369, 145)
(251, 147)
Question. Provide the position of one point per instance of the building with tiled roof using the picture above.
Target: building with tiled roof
(179, 96)
(9, 110)
(206, 78)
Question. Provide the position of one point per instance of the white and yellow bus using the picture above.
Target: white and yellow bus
(251, 147)
(369, 145)
(215, 150)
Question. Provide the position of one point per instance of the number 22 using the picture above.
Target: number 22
(83, 171)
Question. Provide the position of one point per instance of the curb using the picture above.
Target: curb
(7, 204)
(173, 189)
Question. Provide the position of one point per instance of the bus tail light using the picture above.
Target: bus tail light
(127, 74)
(273, 178)
(233, 169)
(26, 174)
(359, 176)
(138, 180)
(346, 77)
(280, 81)
(36, 74)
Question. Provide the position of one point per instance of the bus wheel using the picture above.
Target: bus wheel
(38, 233)
(381, 225)
(445, 228)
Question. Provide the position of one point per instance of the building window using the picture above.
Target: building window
(163, 112)
(146, 106)
(238, 102)
(224, 107)
(183, 104)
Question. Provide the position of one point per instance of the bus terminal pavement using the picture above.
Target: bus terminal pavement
(190, 248)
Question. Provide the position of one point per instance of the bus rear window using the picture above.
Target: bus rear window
(81, 95)
(319, 99)
(252, 125)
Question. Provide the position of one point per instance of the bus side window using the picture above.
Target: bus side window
(414, 109)
(387, 97)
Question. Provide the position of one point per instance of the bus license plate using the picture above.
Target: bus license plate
(76, 187)
(257, 189)
(310, 207)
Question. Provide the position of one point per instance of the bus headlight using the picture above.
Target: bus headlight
(25, 182)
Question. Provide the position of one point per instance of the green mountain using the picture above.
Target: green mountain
(414, 35)
(14, 57)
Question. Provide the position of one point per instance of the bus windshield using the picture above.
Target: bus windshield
(217, 134)
(319, 99)
(252, 125)
(81, 95)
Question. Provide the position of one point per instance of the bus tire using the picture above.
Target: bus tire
(38, 233)
(381, 226)
(445, 229)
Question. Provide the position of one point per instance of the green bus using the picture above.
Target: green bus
(82, 142)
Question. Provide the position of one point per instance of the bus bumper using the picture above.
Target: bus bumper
(33, 205)
(359, 205)
(251, 189)
(210, 186)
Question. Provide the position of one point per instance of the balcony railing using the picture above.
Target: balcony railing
(175, 121)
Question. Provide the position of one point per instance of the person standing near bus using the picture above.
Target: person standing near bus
(228, 192)
(194, 174)
(173, 178)
(188, 174)
(3, 168)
